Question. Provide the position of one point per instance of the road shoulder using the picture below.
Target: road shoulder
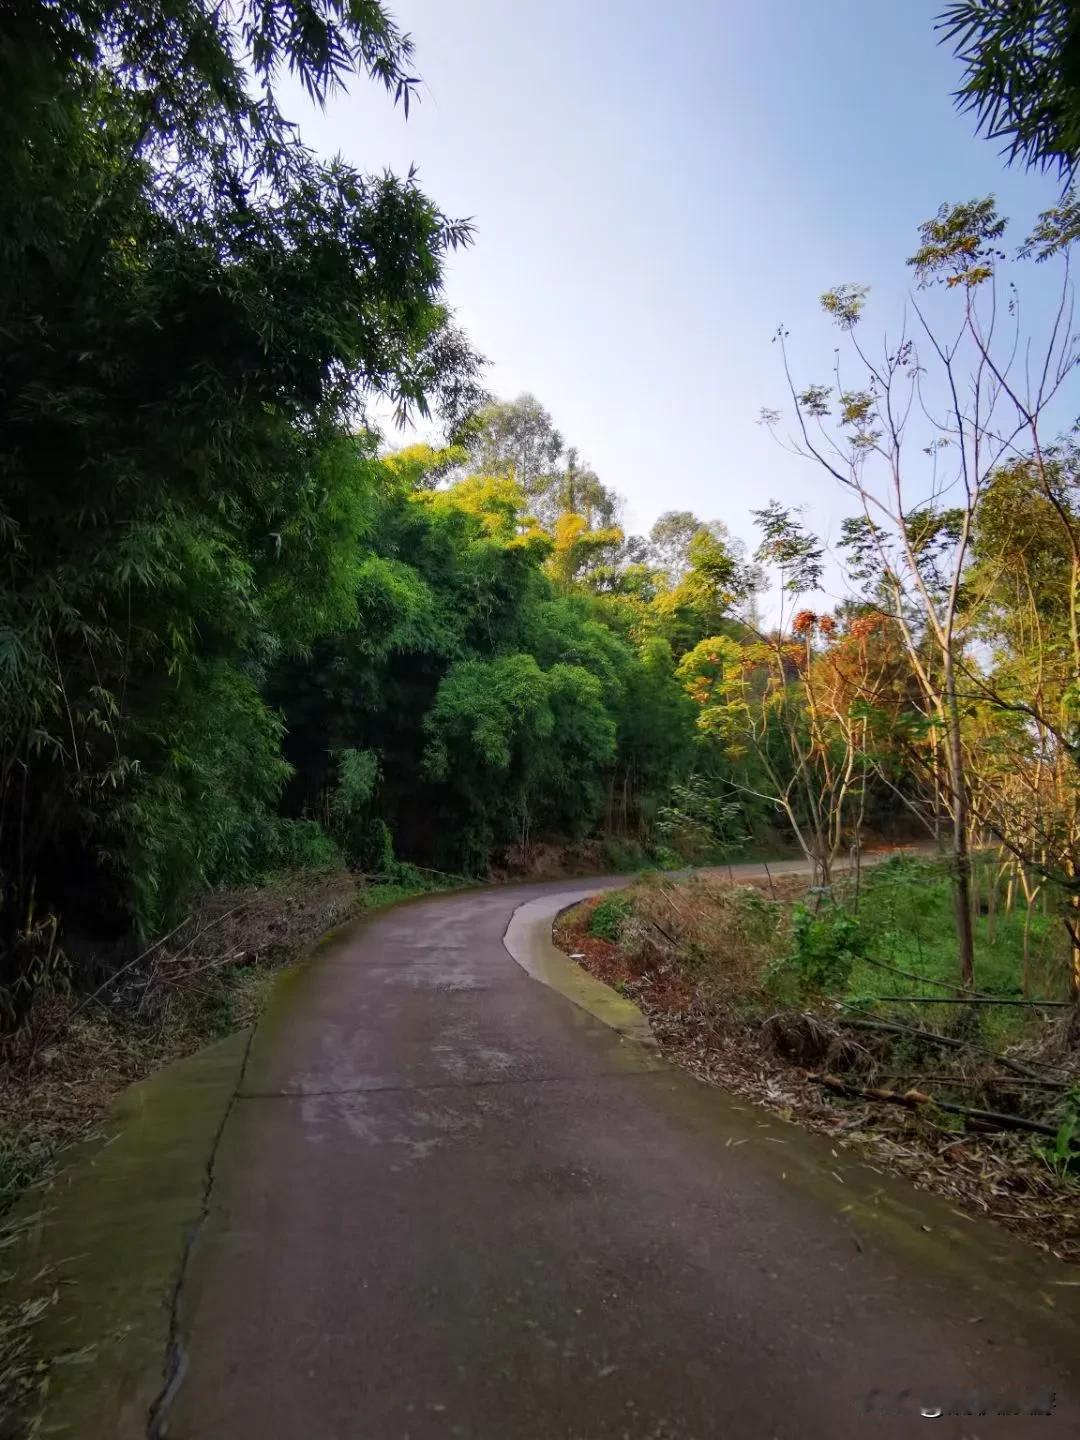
(111, 1234)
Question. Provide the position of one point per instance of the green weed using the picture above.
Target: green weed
(609, 917)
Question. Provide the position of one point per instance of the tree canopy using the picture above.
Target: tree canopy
(240, 631)
(1021, 75)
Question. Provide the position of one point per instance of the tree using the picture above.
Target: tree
(578, 549)
(518, 439)
(1021, 63)
(473, 622)
(519, 746)
(195, 309)
(917, 440)
(1025, 571)
(713, 583)
(776, 704)
(655, 740)
(669, 542)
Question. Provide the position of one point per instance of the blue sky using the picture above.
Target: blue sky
(655, 188)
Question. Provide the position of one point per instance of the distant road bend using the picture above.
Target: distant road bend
(448, 1202)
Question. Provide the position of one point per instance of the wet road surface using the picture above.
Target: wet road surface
(448, 1202)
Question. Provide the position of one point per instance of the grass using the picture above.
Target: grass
(23, 1373)
(749, 951)
(758, 986)
(608, 917)
(906, 914)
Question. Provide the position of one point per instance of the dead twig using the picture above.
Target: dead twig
(210, 925)
(1022, 1082)
(860, 1022)
(910, 975)
(969, 1000)
(112, 979)
(916, 1099)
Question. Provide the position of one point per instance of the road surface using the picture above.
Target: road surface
(449, 1202)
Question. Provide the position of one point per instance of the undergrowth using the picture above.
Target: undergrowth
(880, 952)
(792, 998)
(211, 977)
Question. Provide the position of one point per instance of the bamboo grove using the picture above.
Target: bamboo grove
(240, 631)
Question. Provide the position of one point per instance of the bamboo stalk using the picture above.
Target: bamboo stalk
(969, 1000)
(858, 1022)
(915, 1099)
(910, 974)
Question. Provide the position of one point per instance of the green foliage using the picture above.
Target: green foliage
(358, 775)
(234, 635)
(1063, 1155)
(785, 540)
(1021, 75)
(670, 539)
(519, 440)
(304, 845)
(960, 244)
(517, 747)
(627, 854)
(700, 824)
(194, 310)
(609, 917)
(845, 304)
(906, 911)
(204, 812)
(825, 945)
(490, 712)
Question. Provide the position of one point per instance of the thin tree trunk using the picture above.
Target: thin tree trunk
(1074, 946)
(1027, 949)
(965, 934)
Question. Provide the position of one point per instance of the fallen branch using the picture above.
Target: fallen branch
(58, 1030)
(910, 975)
(373, 877)
(1023, 1081)
(203, 930)
(661, 931)
(671, 901)
(894, 1027)
(969, 1000)
(915, 1099)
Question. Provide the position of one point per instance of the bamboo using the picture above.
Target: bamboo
(915, 1099)
(969, 1000)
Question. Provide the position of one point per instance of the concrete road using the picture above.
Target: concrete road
(448, 1201)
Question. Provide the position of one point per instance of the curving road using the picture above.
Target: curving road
(447, 1201)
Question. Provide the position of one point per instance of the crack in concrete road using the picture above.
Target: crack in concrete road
(175, 1361)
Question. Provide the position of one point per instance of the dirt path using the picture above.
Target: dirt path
(447, 1202)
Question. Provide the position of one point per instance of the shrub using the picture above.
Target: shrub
(624, 854)
(305, 845)
(825, 946)
(609, 917)
(202, 809)
(369, 846)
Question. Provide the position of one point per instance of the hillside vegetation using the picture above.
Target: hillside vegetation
(240, 632)
(844, 1015)
(245, 633)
